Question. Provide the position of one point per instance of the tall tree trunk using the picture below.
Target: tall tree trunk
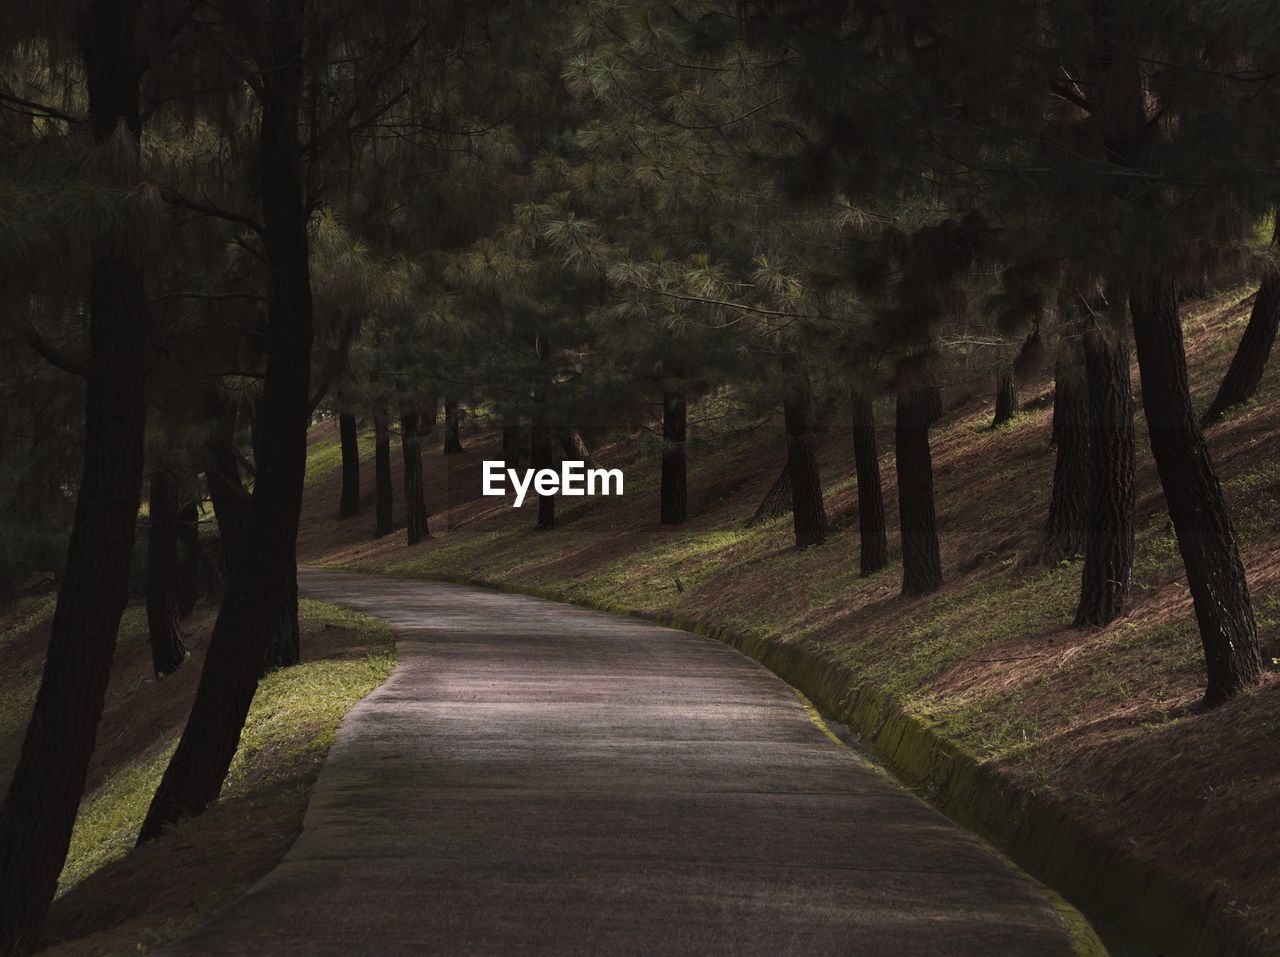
(415, 489)
(227, 495)
(809, 517)
(512, 442)
(452, 427)
(674, 492)
(1201, 521)
(1067, 528)
(917, 410)
(776, 501)
(188, 555)
(265, 575)
(1108, 551)
(1006, 398)
(284, 646)
(349, 503)
(1245, 372)
(382, 474)
(873, 539)
(44, 792)
(542, 441)
(168, 649)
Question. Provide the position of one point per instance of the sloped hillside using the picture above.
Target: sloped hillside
(1105, 720)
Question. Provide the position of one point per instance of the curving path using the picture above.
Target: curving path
(538, 778)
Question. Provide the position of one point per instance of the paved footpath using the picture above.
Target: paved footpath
(535, 778)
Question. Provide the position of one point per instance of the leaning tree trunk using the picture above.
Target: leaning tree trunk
(1108, 550)
(229, 499)
(349, 502)
(44, 793)
(415, 489)
(674, 492)
(188, 556)
(1066, 530)
(168, 649)
(873, 538)
(1245, 373)
(1006, 398)
(452, 428)
(265, 576)
(542, 440)
(808, 514)
(776, 501)
(917, 410)
(1199, 512)
(382, 474)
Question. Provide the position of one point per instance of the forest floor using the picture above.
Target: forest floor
(115, 899)
(1106, 720)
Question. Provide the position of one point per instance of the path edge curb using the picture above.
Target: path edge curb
(1159, 910)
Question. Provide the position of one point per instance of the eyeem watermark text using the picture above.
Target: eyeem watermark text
(573, 478)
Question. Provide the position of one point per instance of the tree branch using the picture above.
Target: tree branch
(53, 355)
(175, 199)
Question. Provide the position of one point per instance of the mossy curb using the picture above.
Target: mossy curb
(1150, 908)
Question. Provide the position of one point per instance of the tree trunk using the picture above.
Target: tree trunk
(227, 495)
(873, 539)
(284, 646)
(917, 410)
(188, 556)
(45, 790)
(1245, 373)
(1066, 530)
(1108, 551)
(542, 442)
(1006, 398)
(1201, 521)
(452, 428)
(776, 501)
(415, 490)
(674, 493)
(349, 503)
(808, 515)
(265, 575)
(168, 650)
(382, 474)
(512, 443)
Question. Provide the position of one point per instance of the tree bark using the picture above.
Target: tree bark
(873, 538)
(542, 441)
(917, 410)
(776, 501)
(674, 492)
(382, 474)
(1067, 528)
(44, 793)
(349, 503)
(189, 556)
(415, 490)
(168, 649)
(265, 575)
(452, 428)
(1006, 398)
(1245, 372)
(1201, 521)
(809, 517)
(226, 493)
(1108, 552)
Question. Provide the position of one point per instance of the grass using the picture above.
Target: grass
(113, 898)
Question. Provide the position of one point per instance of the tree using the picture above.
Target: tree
(873, 540)
(44, 794)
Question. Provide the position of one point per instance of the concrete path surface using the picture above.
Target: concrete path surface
(536, 778)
